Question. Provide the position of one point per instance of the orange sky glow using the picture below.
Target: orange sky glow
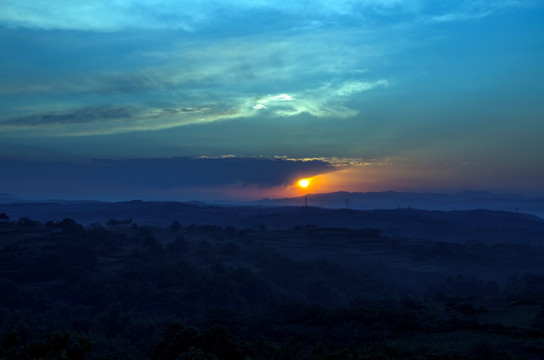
(385, 176)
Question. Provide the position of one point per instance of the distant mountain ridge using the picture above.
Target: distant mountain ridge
(464, 200)
(8, 198)
(489, 226)
(12, 199)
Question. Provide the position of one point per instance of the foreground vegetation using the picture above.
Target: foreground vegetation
(123, 291)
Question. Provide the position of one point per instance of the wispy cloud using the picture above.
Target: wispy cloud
(202, 83)
(338, 162)
(100, 15)
(458, 17)
(79, 83)
(325, 101)
(108, 119)
(282, 73)
(472, 10)
(77, 116)
(245, 61)
(108, 16)
(104, 15)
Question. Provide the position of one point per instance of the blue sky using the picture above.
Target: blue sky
(406, 95)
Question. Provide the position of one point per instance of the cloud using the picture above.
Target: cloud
(109, 119)
(97, 82)
(260, 75)
(218, 80)
(469, 10)
(77, 116)
(354, 87)
(189, 15)
(325, 101)
(338, 162)
(134, 177)
(100, 15)
(245, 61)
(458, 17)
(108, 16)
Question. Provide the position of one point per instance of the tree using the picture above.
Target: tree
(52, 346)
(4, 218)
(231, 249)
(113, 222)
(196, 354)
(174, 341)
(176, 226)
(178, 246)
(204, 249)
(27, 223)
(69, 226)
(149, 241)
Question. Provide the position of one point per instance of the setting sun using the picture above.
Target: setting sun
(304, 182)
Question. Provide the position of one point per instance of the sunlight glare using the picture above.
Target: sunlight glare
(304, 182)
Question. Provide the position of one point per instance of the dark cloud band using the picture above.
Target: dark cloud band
(163, 174)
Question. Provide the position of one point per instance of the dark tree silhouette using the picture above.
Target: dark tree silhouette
(4, 218)
(176, 226)
(69, 226)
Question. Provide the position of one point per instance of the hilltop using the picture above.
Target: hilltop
(452, 226)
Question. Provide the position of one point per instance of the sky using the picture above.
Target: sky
(237, 100)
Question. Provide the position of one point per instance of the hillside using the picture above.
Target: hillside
(464, 200)
(129, 291)
(453, 226)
